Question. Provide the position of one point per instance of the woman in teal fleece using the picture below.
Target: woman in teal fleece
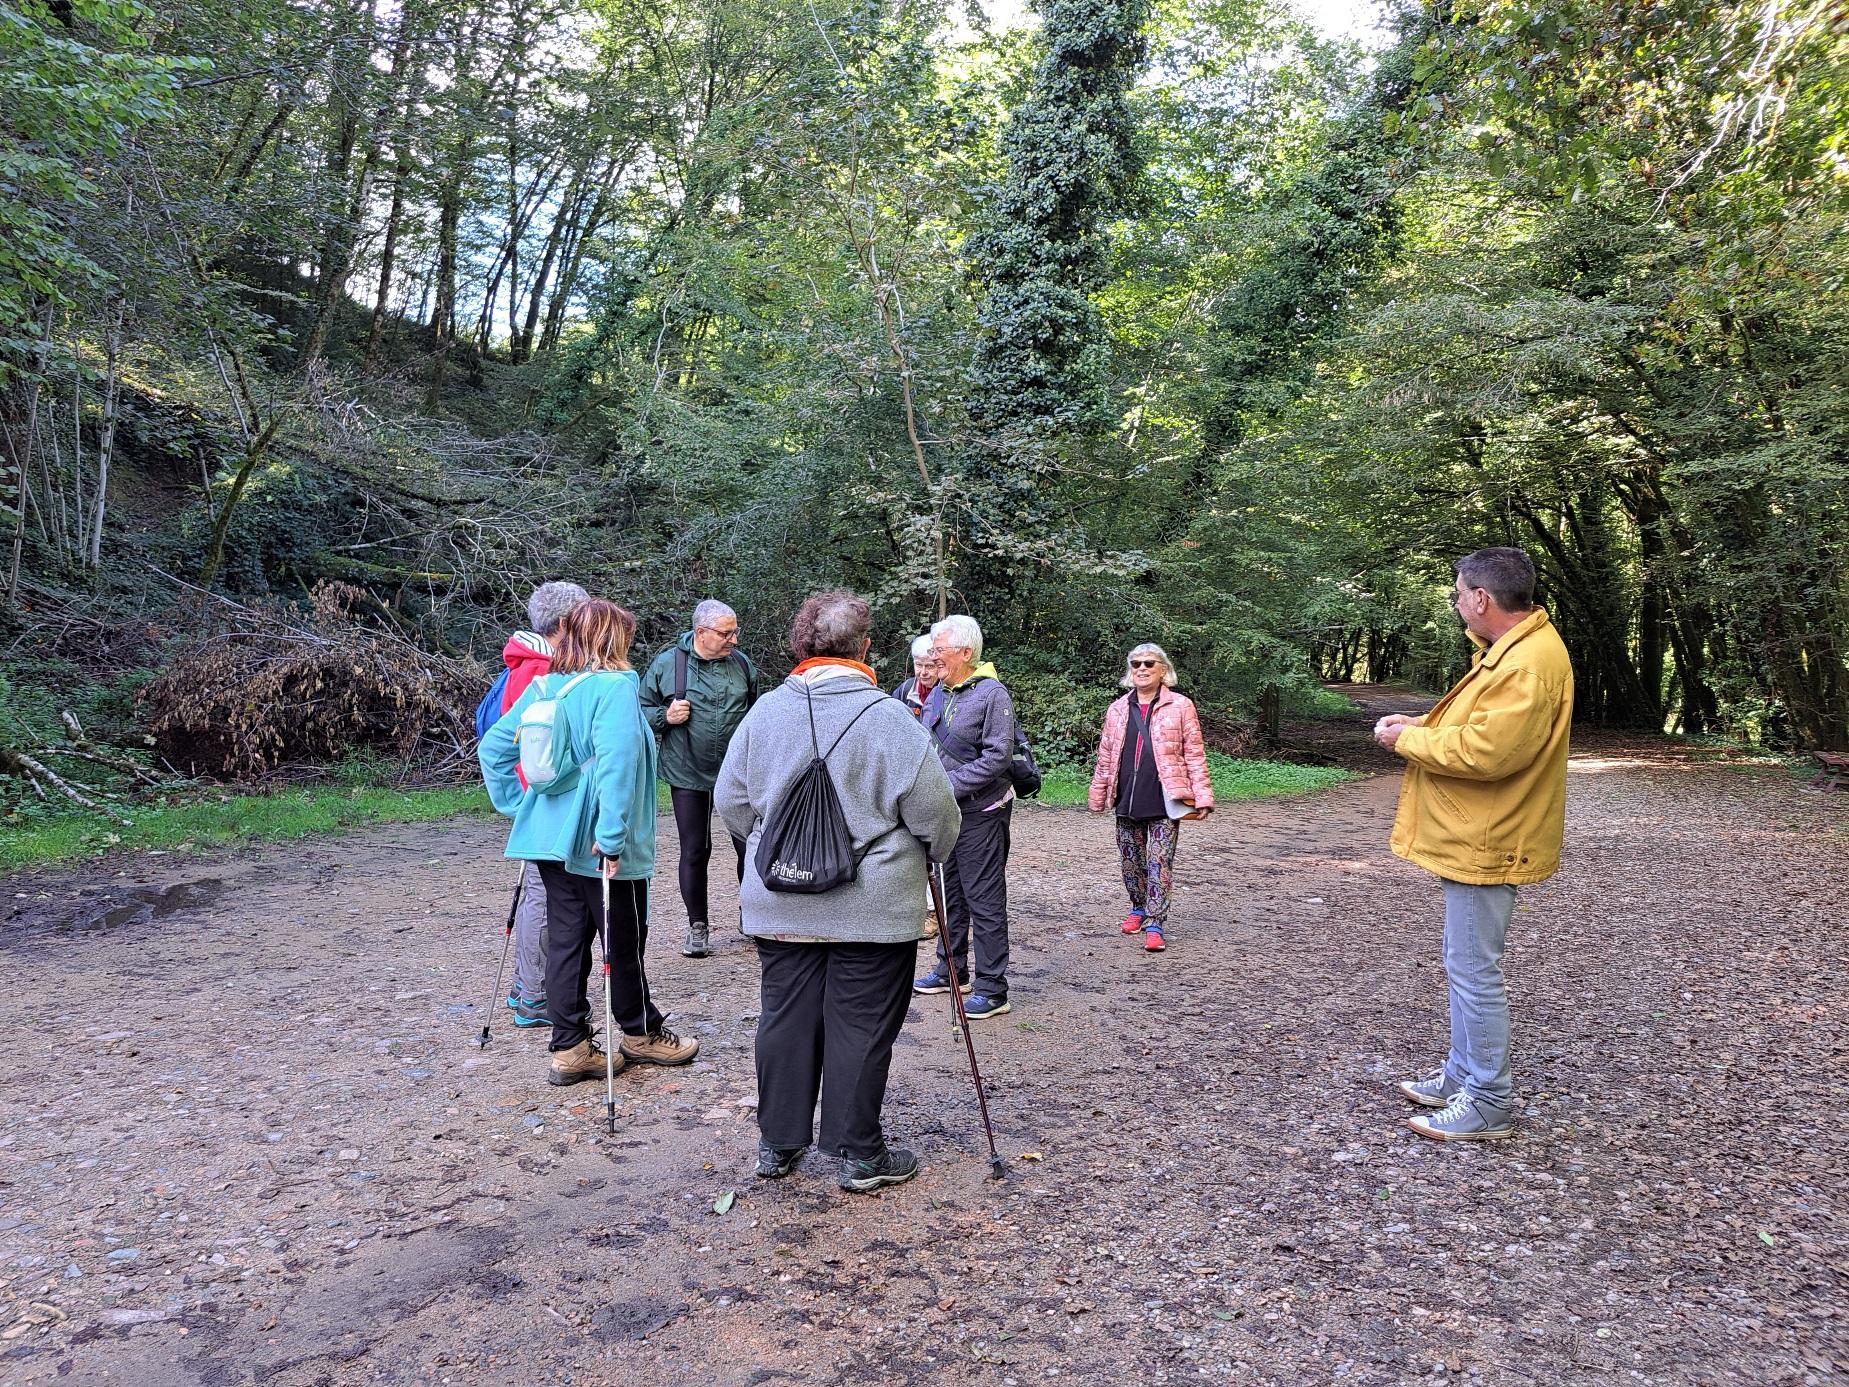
(603, 823)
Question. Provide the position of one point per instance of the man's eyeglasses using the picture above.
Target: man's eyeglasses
(1144, 664)
(731, 635)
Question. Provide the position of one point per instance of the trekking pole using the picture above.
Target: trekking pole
(609, 1016)
(506, 942)
(959, 1018)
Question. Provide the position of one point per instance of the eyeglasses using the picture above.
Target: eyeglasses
(731, 635)
(1144, 664)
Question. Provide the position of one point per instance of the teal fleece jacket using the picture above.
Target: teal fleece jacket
(613, 804)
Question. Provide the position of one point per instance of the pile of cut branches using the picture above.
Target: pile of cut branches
(270, 691)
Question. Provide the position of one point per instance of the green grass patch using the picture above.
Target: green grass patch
(1233, 779)
(285, 814)
(1327, 703)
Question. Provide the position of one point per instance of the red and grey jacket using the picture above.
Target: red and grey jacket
(526, 656)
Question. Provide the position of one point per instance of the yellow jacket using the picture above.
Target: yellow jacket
(1483, 800)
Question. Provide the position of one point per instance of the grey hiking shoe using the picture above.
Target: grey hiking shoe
(892, 1166)
(1464, 1119)
(699, 940)
(775, 1162)
(1433, 1091)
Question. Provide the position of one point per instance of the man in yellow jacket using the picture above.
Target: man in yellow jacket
(1483, 805)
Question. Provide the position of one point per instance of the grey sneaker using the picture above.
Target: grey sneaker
(893, 1166)
(1433, 1091)
(1464, 1119)
(699, 940)
(775, 1162)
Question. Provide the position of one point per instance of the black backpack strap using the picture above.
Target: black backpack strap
(850, 724)
(751, 677)
(821, 755)
(937, 736)
(680, 672)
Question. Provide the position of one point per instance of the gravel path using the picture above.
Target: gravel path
(248, 1139)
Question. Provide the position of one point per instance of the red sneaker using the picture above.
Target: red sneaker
(1152, 940)
(1133, 922)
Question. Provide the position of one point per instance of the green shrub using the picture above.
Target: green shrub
(1062, 718)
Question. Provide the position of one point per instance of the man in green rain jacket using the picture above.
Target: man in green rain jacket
(695, 695)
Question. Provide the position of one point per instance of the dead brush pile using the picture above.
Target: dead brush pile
(268, 696)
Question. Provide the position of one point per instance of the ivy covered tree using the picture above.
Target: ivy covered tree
(1072, 165)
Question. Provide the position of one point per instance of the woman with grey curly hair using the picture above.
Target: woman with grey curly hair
(1152, 769)
(527, 655)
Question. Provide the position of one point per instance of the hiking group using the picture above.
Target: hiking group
(849, 807)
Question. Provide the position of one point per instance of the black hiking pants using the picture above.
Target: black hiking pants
(827, 1021)
(976, 884)
(574, 921)
(693, 819)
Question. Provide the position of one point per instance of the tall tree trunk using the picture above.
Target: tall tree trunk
(443, 308)
(106, 443)
(388, 257)
(221, 523)
(579, 238)
(403, 144)
(520, 345)
(342, 236)
(22, 454)
(520, 216)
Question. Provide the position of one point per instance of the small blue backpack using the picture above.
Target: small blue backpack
(488, 711)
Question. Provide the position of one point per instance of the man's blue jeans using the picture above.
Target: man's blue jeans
(1476, 926)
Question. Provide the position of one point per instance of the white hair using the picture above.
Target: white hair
(963, 633)
(546, 608)
(711, 610)
(921, 648)
(1169, 678)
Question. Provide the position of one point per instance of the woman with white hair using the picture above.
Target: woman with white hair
(1152, 769)
(913, 691)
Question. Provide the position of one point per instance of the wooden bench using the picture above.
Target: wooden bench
(1835, 772)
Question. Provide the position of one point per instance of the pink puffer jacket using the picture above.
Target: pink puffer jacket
(1181, 754)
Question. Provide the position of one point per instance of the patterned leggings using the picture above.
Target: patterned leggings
(1147, 847)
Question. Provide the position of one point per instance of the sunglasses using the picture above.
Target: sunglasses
(1144, 664)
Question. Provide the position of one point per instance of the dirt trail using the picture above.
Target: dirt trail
(248, 1139)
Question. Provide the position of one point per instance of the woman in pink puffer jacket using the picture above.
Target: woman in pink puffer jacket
(1152, 769)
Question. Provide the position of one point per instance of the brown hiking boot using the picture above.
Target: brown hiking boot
(663, 1047)
(583, 1061)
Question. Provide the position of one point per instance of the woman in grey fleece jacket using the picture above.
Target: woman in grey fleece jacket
(836, 966)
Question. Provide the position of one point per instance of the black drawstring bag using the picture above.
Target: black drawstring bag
(805, 846)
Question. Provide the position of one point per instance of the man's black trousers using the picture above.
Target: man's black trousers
(693, 819)
(827, 1022)
(976, 882)
(574, 918)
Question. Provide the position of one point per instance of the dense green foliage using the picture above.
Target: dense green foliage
(1171, 322)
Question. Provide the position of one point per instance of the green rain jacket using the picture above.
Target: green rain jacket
(720, 692)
